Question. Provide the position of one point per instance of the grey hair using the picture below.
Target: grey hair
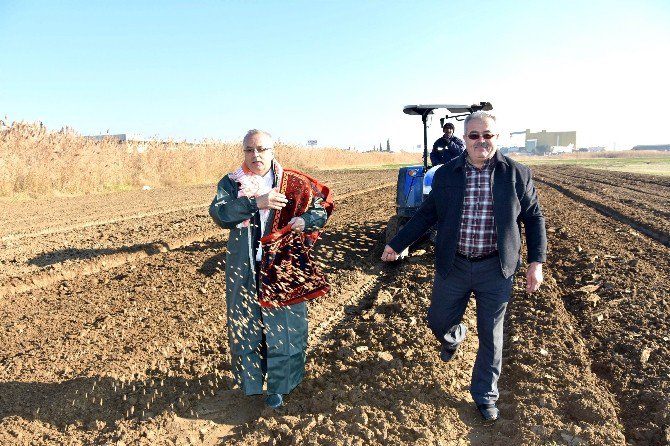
(480, 115)
(254, 132)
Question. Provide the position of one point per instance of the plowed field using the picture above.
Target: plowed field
(113, 330)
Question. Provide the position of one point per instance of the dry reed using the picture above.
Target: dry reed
(36, 162)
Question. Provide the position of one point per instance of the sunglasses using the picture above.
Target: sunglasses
(475, 136)
(250, 150)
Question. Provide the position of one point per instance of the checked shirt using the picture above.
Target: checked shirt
(477, 235)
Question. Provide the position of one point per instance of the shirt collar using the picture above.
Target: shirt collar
(462, 159)
(488, 164)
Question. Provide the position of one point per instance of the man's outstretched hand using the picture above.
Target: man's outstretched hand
(389, 255)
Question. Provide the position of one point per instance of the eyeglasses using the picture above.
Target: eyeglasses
(475, 136)
(250, 150)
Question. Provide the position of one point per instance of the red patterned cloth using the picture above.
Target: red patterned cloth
(288, 274)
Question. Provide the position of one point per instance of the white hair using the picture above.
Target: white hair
(253, 132)
(480, 115)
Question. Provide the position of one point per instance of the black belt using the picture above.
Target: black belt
(477, 258)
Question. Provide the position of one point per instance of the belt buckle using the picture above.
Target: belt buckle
(477, 258)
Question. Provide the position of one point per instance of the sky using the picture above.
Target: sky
(338, 72)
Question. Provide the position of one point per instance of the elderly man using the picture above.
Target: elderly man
(274, 216)
(447, 147)
(479, 201)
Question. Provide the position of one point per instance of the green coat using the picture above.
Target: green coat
(262, 341)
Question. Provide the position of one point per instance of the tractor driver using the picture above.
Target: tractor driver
(447, 147)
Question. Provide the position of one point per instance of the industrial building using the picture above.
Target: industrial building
(543, 142)
(550, 142)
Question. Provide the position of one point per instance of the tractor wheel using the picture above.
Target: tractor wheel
(394, 225)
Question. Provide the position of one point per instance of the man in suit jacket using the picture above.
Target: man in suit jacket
(479, 200)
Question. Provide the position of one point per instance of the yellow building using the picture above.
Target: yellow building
(543, 141)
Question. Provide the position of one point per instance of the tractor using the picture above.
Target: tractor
(414, 182)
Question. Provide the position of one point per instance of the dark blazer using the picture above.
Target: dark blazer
(514, 203)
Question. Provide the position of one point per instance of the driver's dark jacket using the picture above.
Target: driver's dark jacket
(451, 148)
(514, 203)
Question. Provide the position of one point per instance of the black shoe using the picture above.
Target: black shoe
(489, 412)
(447, 353)
(448, 350)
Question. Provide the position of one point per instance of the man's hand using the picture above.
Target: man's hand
(297, 224)
(534, 277)
(271, 200)
(389, 255)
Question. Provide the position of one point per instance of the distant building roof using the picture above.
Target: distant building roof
(121, 137)
(653, 147)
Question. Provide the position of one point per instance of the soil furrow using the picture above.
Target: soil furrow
(659, 234)
(99, 261)
(151, 327)
(655, 187)
(136, 352)
(614, 283)
(89, 224)
(64, 252)
(642, 200)
(363, 191)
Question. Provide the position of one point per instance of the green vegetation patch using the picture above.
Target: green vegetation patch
(639, 165)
